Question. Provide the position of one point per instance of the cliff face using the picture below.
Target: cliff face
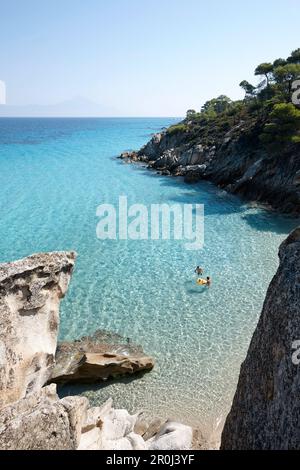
(234, 160)
(30, 294)
(265, 413)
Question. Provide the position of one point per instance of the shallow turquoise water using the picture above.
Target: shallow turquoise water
(53, 175)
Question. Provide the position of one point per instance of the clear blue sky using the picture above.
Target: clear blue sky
(139, 57)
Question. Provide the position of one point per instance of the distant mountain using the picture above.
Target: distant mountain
(76, 107)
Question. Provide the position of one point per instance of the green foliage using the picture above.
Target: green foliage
(283, 125)
(265, 117)
(190, 113)
(216, 105)
(279, 62)
(286, 73)
(266, 69)
(177, 128)
(284, 76)
(294, 57)
(248, 88)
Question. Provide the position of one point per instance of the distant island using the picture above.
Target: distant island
(75, 107)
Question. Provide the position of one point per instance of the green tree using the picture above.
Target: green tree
(248, 88)
(190, 113)
(283, 126)
(285, 75)
(216, 105)
(294, 57)
(279, 62)
(266, 70)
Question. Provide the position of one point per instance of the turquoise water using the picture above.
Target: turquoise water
(53, 175)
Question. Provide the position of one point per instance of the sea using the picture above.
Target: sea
(54, 174)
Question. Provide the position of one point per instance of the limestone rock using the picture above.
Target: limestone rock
(153, 429)
(93, 359)
(91, 440)
(172, 436)
(94, 417)
(118, 424)
(130, 442)
(265, 413)
(117, 431)
(76, 408)
(141, 426)
(41, 422)
(30, 294)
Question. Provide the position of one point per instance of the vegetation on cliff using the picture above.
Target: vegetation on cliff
(249, 147)
(268, 115)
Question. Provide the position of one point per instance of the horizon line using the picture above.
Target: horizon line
(91, 117)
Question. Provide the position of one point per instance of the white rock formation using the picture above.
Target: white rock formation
(30, 294)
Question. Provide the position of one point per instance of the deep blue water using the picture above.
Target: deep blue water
(53, 175)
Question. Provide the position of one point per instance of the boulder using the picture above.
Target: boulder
(91, 440)
(153, 429)
(117, 424)
(94, 359)
(172, 436)
(141, 426)
(30, 293)
(42, 422)
(95, 416)
(117, 431)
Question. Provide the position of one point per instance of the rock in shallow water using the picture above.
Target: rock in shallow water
(93, 359)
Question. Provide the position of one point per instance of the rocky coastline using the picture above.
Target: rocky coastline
(265, 413)
(234, 160)
(32, 416)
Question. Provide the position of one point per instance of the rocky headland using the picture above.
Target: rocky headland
(32, 416)
(249, 147)
(235, 161)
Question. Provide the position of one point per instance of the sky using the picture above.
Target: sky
(139, 57)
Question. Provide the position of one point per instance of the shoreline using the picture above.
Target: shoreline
(253, 175)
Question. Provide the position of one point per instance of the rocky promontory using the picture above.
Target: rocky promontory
(234, 160)
(32, 416)
(249, 147)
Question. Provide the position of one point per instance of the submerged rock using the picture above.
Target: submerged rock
(93, 359)
(265, 413)
(30, 293)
